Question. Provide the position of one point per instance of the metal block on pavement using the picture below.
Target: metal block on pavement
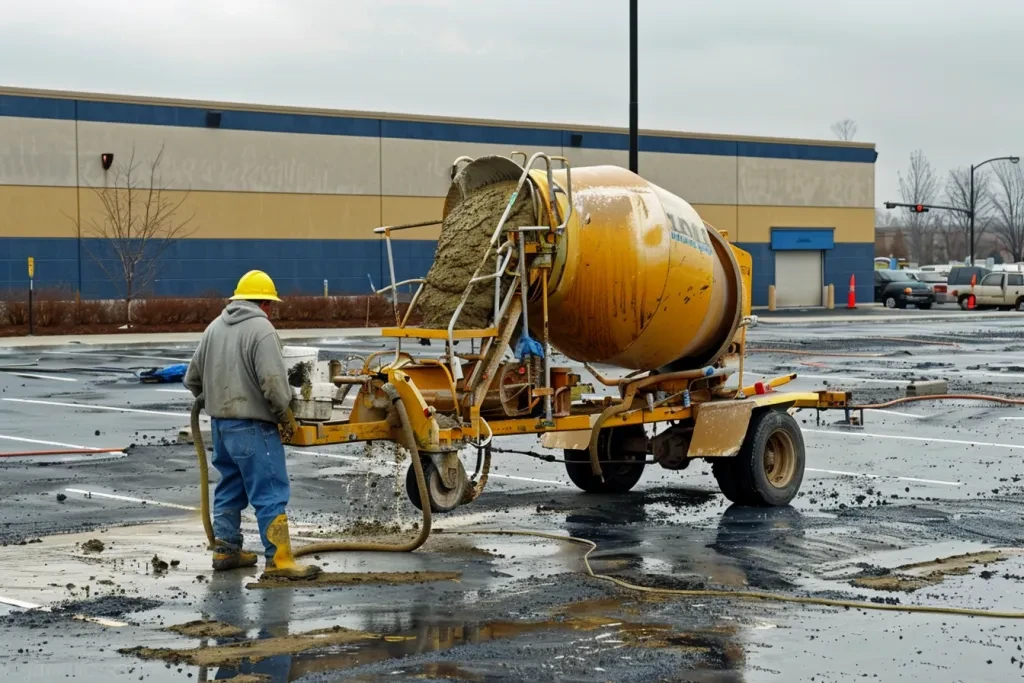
(932, 387)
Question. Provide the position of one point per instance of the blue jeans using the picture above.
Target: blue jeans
(250, 458)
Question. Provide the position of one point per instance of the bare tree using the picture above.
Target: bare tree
(884, 219)
(845, 129)
(139, 221)
(919, 186)
(955, 229)
(1008, 209)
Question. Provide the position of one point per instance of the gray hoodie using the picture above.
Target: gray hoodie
(239, 368)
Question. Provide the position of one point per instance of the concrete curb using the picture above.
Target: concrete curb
(881, 318)
(157, 339)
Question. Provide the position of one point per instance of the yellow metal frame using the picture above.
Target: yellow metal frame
(430, 437)
(429, 333)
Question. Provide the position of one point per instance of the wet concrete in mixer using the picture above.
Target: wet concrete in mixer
(923, 506)
(465, 238)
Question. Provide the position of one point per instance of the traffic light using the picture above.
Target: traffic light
(890, 205)
(918, 208)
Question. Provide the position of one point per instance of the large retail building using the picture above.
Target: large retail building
(298, 192)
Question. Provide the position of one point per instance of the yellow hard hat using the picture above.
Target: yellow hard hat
(255, 286)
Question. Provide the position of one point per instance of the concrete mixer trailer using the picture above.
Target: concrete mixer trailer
(602, 267)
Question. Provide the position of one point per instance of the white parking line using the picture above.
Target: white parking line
(81, 617)
(883, 476)
(129, 499)
(90, 406)
(34, 376)
(111, 354)
(1011, 418)
(174, 391)
(957, 442)
(895, 412)
(535, 481)
(22, 439)
(325, 455)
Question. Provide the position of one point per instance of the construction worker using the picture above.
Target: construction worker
(238, 371)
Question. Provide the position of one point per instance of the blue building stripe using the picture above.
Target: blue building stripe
(319, 124)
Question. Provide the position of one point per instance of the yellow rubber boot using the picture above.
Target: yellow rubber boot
(283, 564)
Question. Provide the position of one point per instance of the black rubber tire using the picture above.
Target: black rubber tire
(776, 429)
(890, 302)
(433, 479)
(725, 474)
(617, 478)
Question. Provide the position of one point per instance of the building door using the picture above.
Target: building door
(798, 278)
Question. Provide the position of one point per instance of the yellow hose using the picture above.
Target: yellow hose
(329, 547)
(204, 473)
(740, 595)
(421, 485)
(941, 397)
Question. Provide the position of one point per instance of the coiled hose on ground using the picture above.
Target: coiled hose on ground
(331, 546)
(739, 595)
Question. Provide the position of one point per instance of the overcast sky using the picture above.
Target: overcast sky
(937, 75)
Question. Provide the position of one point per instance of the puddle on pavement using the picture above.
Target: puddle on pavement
(911, 577)
(285, 657)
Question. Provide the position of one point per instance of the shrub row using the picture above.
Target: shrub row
(55, 310)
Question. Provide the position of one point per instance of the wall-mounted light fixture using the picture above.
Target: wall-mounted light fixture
(106, 159)
(576, 140)
(213, 119)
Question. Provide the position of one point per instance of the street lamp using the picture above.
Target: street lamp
(975, 167)
(634, 119)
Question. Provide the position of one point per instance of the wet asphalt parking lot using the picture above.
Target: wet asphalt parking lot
(879, 505)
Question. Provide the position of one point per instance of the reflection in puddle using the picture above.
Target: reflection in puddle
(279, 659)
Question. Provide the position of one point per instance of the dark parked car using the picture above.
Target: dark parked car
(896, 289)
(959, 282)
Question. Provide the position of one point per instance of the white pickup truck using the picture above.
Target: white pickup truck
(1004, 290)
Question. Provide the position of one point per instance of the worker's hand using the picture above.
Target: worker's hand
(288, 427)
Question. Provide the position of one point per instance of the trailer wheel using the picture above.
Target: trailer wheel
(442, 498)
(769, 468)
(611, 445)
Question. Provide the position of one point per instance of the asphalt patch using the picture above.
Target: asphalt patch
(911, 577)
(206, 629)
(109, 606)
(356, 579)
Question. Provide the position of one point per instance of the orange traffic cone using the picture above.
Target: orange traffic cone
(851, 298)
(971, 303)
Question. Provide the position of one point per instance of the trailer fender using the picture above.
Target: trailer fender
(720, 428)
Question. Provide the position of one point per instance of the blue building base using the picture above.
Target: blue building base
(840, 262)
(198, 267)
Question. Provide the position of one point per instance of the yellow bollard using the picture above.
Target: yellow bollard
(771, 297)
(831, 300)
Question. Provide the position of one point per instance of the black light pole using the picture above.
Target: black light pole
(975, 167)
(634, 135)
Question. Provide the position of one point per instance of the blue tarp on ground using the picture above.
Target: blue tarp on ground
(172, 373)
